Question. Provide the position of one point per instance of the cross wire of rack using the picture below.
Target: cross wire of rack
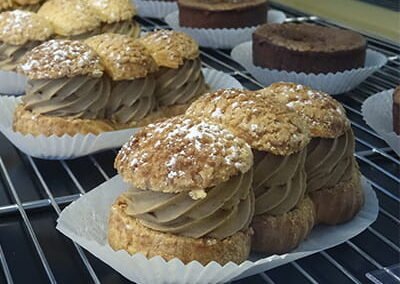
(34, 191)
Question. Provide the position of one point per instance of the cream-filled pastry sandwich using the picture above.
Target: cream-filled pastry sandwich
(333, 177)
(66, 91)
(20, 31)
(133, 83)
(189, 193)
(284, 215)
(179, 79)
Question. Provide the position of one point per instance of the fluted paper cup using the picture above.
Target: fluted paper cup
(221, 38)
(377, 113)
(85, 221)
(12, 83)
(154, 9)
(70, 147)
(332, 83)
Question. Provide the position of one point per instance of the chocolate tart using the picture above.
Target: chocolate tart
(307, 48)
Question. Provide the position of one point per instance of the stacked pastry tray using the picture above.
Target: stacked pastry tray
(33, 192)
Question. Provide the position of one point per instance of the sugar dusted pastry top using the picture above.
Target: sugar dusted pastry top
(111, 11)
(324, 115)
(123, 57)
(182, 155)
(18, 27)
(265, 124)
(170, 48)
(69, 17)
(60, 58)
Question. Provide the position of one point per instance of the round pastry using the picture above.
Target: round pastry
(330, 164)
(131, 69)
(189, 193)
(214, 14)
(278, 137)
(307, 48)
(65, 81)
(20, 31)
(28, 5)
(180, 79)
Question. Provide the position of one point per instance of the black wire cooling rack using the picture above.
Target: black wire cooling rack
(34, 191)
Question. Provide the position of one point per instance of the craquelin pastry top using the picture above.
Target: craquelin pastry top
(325, 116)
(265, 124)
(183, 155)
(111, 11)
(170, 48)
(70, 17)
(123, 57)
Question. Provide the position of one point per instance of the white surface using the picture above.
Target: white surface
(154, 9)
(332, 83)
(221, 38)
(377, 113)
(12, 83)
(85, 221)
(68, 147)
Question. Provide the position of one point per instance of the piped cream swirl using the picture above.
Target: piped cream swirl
(279, 182)
(78, 97)
(11, 55)
(330, 161)
(227, 209)
(181, 85)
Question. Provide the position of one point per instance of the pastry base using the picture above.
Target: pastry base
(126, 233)
(340, 203)
(281, 234)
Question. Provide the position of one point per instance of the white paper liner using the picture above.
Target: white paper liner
(377, 113)
(85, 222)
(69, 147)
(12, 83)
(332, 83)
(221, 38)
(154, 9)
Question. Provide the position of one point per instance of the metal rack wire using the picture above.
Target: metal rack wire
(33, 192)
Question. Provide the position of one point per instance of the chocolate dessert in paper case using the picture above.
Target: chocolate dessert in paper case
(20, 31)
(284, 215)
(189, 193)
(180, 79)
(333, 178)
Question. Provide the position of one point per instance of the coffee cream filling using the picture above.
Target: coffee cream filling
(181, 85)
(11, 55)
(330, 161)
(227, 209)
(279, 182)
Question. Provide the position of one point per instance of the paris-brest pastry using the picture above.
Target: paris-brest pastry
(284, 215)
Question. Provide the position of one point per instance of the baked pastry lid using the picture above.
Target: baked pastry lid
(85, 222)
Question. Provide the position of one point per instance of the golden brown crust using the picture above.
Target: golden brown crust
(27, 2)
(69, 17)
(265, 124)
(123, 57)
(281, 234)
(18, 27)
(60, 58)
(170, 48)
(340, 203)
(324, 115)
(182, 154)
(126, 233)
(111, 11)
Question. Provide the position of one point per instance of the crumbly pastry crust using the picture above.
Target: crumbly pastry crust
(69, 17)
(18, 27)
(60, 58)
(123, 57)
(340, 203)
(324, 115)
(111, 11)
(170, 48)
(182, 155)
(281, 234)
(126, 233)
(265, 124)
